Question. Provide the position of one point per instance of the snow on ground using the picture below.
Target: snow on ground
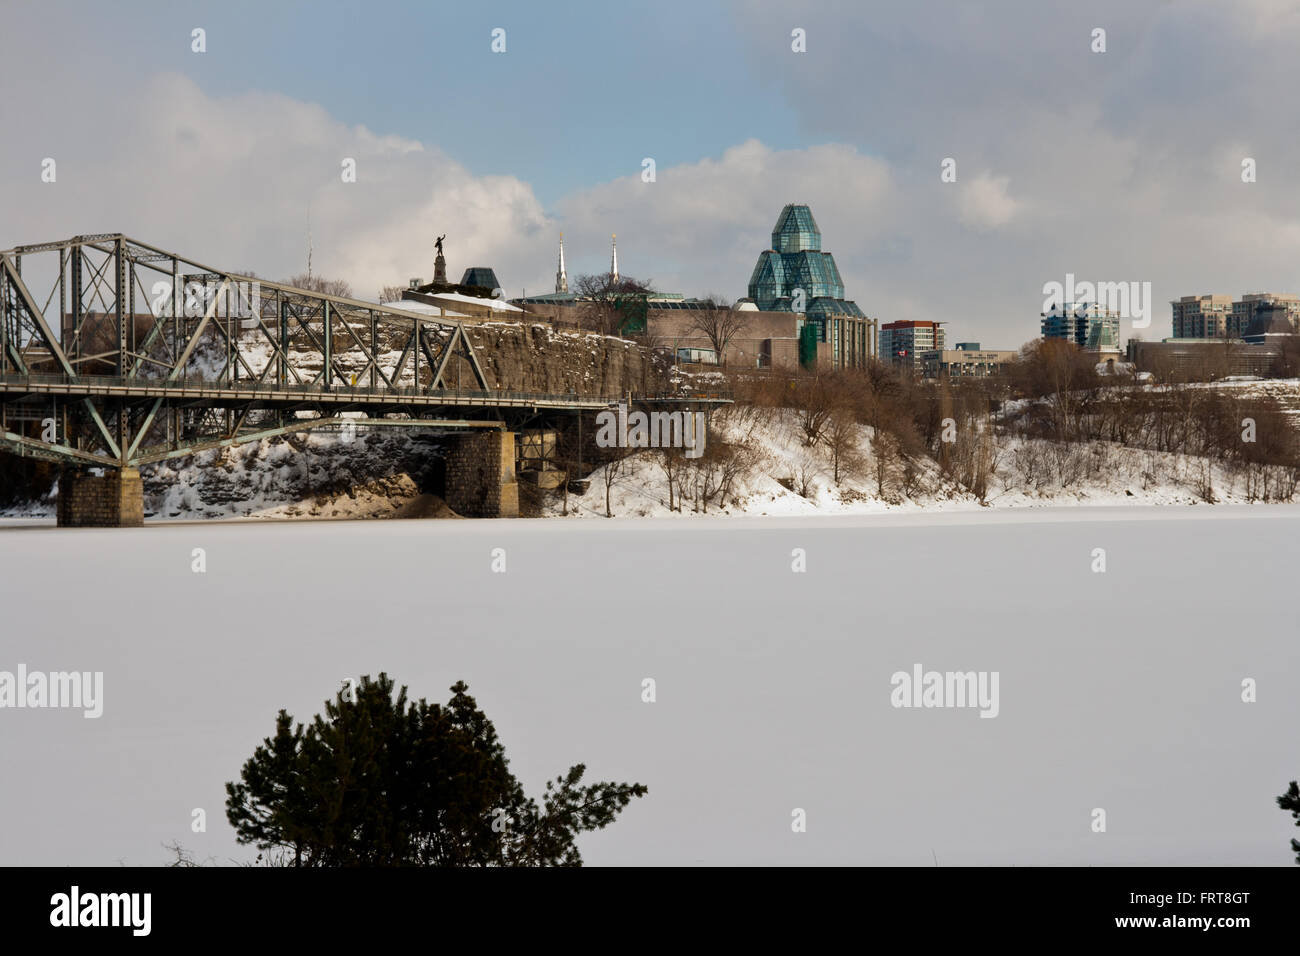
(1285, 391)
(773, 688)
(360, 473)
(1025, 476)
(375, 473)
(366, 473)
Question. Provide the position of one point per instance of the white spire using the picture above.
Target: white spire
(561, 277)
(613, 258)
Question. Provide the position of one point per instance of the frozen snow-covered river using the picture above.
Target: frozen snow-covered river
(1119, 691)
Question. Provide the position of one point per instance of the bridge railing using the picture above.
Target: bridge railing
(191, 384)
(687, 395)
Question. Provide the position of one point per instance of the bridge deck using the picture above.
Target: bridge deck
(204, 392)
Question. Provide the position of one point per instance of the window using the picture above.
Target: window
(697, 356)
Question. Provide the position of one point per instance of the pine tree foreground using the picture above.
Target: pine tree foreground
(380, 781)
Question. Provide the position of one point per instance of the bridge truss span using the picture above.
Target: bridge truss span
(116, 353)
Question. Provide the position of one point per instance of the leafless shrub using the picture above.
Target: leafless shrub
(805, 471)
(841, 438)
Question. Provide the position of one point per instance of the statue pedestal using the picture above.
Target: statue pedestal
(440, 269)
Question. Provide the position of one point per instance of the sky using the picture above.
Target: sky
(1115, 166)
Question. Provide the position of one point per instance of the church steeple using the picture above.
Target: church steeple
(613, 258)
(561, 277)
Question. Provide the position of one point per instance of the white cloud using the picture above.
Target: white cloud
(984, 203)
(1117, 167)
(701, 226)
(230, 182)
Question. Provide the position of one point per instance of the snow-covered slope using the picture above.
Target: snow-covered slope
(391, 473)
(788, 478)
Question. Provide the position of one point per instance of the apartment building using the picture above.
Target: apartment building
(904, 343)
(1203, 317)
(1244, 310)
(1085, 324)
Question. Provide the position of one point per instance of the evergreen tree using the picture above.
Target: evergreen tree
(1291, 801)
(381, 781)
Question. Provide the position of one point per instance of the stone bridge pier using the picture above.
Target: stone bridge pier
(112, 500)
(481, 480)
(480, 483)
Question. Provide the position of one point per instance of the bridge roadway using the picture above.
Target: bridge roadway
(118, 413)
(197, 393)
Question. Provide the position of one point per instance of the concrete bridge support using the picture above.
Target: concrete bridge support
(115, 500)
(481, 480)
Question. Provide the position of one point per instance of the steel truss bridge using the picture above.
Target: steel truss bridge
(115, 353)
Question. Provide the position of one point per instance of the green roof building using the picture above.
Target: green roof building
(795, 275)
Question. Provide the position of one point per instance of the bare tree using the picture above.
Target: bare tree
(882, 394)
(805, 470)
(566, 451)
(182, 858)
(912, 452)
(884, 455)
(611, 306)
(613, 468)
(714, 474)
(339, 287)
(391, 293)
(1062, 372)
(886, 450)
(720, 323)
(671, 462)
(945, 413)
(813, 402)
(841, 439)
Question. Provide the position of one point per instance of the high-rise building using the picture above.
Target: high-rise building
(1202, 316)
(1245, 308)
(1271, 323)
(905, 343)
(1222, 317)
(1086, 324)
